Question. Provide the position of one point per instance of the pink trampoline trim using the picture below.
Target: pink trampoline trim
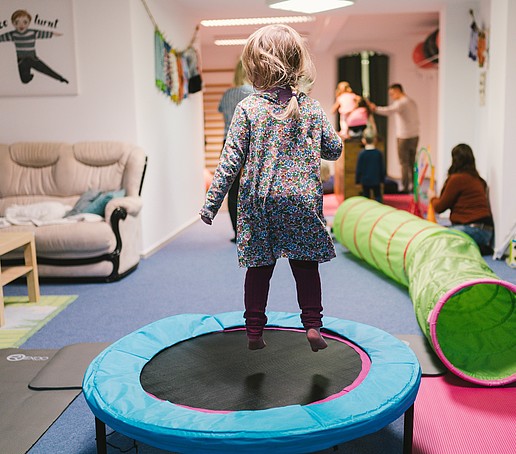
(432, 322)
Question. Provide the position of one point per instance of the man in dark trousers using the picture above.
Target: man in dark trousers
(405, 111)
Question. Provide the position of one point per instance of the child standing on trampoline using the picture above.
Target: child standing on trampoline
(277, 139)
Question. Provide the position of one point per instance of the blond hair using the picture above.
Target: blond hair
(343, 87)
(239, 78)
(277, 56)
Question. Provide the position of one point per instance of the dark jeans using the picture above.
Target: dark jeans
(256, 292)
(376, 189)
(483, 237)
(407, 149)
(27, 63)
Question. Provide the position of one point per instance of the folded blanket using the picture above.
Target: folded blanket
(44, 213)
(36, 212)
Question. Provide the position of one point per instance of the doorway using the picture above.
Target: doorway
(367, 72)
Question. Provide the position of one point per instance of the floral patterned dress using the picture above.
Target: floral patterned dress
(281, 198)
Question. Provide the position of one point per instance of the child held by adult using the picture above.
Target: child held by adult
(276, 140)
(345, 102)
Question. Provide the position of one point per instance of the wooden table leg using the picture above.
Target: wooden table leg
(29, 253)
(100, 433)
(408, 430)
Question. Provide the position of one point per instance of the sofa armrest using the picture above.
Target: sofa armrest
(131, 205)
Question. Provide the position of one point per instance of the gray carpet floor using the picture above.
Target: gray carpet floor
(197, 272)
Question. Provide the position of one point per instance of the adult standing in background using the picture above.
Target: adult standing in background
(406, 114)
(240, 90)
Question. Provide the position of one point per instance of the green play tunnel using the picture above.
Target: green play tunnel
(467, 313)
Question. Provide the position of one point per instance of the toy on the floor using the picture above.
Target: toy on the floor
(466, 312)
(422, 165)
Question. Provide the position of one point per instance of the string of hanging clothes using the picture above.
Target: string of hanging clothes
(177, 72)
(477, 42)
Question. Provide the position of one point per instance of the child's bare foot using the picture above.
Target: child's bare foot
(256, 344)
(316, 340)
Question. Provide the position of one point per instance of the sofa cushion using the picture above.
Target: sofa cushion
(33, 169)
(35, 154)
(94, 202)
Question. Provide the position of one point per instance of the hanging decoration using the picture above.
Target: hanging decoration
(177, 72)
(477, 42)
(426, 53)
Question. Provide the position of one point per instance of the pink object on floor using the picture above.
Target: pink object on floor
(330, 204)
(453, 416)
(398, 201)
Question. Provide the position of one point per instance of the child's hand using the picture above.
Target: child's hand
(430, 193)
(206, 220)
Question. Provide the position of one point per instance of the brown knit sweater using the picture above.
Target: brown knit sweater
(465, 196)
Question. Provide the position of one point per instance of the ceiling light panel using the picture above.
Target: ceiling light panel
(257, 21)
(309, 6)
(230, 42)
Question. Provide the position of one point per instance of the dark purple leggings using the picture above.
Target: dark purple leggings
(256, 291)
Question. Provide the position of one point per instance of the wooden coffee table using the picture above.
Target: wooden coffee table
(9, 241)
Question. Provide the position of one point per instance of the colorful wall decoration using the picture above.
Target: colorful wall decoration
(37, 48)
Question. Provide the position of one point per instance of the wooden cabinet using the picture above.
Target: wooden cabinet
(345, 167)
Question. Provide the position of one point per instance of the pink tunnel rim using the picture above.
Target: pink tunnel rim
(434, 316)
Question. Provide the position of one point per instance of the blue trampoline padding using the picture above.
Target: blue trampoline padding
(113, 392)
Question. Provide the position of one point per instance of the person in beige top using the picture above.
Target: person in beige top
(405, 111)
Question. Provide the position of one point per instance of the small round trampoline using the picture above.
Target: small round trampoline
(187, 383)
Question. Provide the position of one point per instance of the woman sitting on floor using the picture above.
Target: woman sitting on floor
(465, 194)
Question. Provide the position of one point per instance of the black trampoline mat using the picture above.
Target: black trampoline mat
(217, 372)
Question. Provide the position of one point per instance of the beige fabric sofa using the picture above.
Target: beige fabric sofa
(34, 172)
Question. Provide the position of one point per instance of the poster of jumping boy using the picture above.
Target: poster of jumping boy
(37, 51)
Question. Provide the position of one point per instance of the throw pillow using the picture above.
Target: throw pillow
(98, 205)
(94, 202)
(83, 202)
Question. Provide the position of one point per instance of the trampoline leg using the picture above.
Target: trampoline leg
(100, 432)
(408, 430)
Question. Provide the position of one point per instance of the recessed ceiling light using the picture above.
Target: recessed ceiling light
(257, 21)
(309, 6)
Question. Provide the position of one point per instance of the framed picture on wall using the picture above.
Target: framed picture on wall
(37, 48)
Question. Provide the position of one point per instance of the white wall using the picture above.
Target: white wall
(458, 94)
(172, 135)
(118, 100)
(488, 128)
(499, 129)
